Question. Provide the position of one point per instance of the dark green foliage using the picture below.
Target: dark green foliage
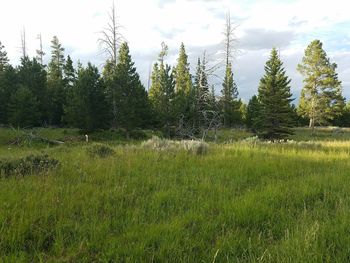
(8, 86)
(275, 114)
(32, 164)
(131, 99)
(69, 74)
(229, 102)
(100, 151)
(23, 109)
(86, 103)
(201, 97)
(343, 120)
(32, 75)
(252, 115)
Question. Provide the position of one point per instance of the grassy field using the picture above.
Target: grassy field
(243, 201)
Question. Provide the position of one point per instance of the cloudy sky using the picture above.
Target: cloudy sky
(288, 25)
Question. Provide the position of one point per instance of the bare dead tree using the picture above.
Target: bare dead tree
(111, 38)
(23, 43)
(230, 40)
(206, 109)
(39, 52)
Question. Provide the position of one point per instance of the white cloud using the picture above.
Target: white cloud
(288, 25)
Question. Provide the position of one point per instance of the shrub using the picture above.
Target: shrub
(101, 151)
(191, 146)
(32, 164)
(138, 135)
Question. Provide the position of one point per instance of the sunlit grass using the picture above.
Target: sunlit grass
(243, 202)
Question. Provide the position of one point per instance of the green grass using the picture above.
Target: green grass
(242, 202)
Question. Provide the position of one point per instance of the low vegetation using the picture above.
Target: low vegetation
(155, 201)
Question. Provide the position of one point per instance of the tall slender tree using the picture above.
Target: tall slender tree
(56, 82)
(229, 99)
(321, 97)
(183, 90)
(275, 101)
(131, 96)
(229, 93)
(182, 75)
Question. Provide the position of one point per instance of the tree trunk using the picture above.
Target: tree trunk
(312, 125)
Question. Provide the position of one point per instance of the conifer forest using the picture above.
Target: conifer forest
(97, 165)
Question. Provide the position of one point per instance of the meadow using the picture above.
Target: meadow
(240, 201)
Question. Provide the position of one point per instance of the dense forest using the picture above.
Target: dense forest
(179, 103)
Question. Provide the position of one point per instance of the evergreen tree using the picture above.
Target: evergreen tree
(3, 57)
(253, 114)
(343, 120)
(23, 108)
(156, 93)
(203, 100)
(229, 102)
(56, 82)
(321, 97)
(183, 94)
(161, 94)
(275, 98)
(32, 75)
(86, 104)
(69, 73)
(131, 96)
(182, 75)
(109, 74)
(8, 86)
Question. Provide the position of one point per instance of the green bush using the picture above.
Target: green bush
(101, 151)
(32, 164)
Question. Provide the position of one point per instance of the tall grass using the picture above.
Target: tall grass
(241, 202)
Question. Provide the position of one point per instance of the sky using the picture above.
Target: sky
(289, 25)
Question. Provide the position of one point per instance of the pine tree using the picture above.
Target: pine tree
(183, 94)
(253, 114)
(229, 102)
(275, 98)
(202, 102)
(32, 75)
(8, 86)
(109, 74)
(321, 97)
(5, 86)
(3, 57)
(156, 92)
(23, 108)
(56, 82)
(161, 94)
(86, 106)
(69, 73)
(131, 96)
(182, 75)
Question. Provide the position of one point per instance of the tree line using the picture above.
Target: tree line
(178, 103)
